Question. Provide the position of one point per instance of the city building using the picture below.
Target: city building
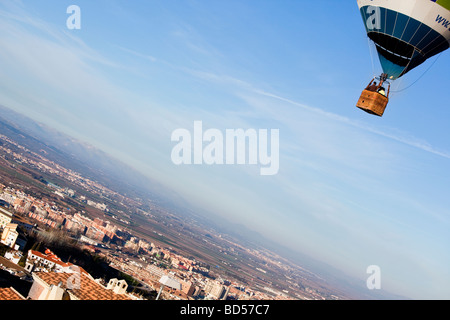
(95, 234)
(7, 197)
(9, 235)
(155, 271)
(187, 287)
(5, 217)
(117, 286)
(47, 261)
(22, 205)
(73, 286)
(215, 289)
(88, 240)
(13, 256)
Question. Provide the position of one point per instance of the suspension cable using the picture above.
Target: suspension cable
(371, 54)
(417, 80)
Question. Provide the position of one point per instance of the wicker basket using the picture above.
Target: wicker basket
(372, 102)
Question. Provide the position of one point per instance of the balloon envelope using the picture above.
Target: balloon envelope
(406, 32)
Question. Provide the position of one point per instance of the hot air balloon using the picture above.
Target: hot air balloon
(406, 33)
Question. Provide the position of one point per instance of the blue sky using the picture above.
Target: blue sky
(353, 190)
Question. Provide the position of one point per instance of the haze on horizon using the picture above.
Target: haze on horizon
(352, 190)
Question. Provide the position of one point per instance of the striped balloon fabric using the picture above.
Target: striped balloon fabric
(406, 32)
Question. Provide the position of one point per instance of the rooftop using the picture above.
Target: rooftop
(10, 294)
(88, 288)
(50, 256)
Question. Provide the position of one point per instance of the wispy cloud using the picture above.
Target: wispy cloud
(138, 54)
(405, 138)
(385, 132)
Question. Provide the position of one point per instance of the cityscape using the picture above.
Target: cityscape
(94, 218)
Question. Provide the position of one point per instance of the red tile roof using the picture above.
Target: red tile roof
(10, 294)
(50, 256)
(88, 288)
